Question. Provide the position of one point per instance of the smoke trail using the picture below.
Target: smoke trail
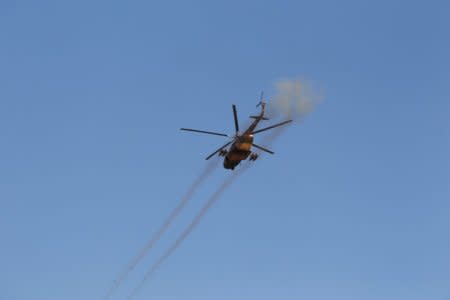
(214, 197)
(168, 221)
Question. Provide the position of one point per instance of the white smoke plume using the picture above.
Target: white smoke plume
(294, 98)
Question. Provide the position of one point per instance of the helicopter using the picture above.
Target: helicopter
(241, 143)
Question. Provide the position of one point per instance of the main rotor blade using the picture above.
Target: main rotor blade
(236, 123)
(202, 131)
(270, 127)
(263, 149)
(214, 153)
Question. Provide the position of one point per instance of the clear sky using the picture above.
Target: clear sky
(354, 205)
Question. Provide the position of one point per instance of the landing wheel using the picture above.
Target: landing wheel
(253, 156)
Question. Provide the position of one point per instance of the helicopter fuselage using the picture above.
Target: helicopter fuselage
(240, 150)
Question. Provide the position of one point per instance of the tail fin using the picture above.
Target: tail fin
(261, 101)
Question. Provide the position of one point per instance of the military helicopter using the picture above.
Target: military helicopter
(241, 143)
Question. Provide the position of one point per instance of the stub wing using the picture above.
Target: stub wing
(217, 151)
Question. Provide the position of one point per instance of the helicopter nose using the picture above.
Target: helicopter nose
(227, 164)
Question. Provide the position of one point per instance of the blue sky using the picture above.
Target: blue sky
(354, 205)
